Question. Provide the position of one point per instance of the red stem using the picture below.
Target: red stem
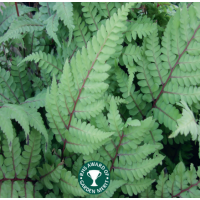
(80, 90)
(177, 62)
(17, 9)
(186, 189)
(116, 151)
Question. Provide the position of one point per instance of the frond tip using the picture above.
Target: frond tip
(187, 123)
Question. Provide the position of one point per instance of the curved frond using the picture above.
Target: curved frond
(21, 25)
(30, 155)
(52, 27)
(64, 12)
(76, 96)
(187, 123)
(20, 77)
(9, 90)
(136, 187)
(69, 184)
(81, 33)
(10, 14)
(46, 62)
(136, 170)
(50, 174)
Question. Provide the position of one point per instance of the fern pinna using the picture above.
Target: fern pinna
(103, 82)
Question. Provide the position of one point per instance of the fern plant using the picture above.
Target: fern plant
(111, 82)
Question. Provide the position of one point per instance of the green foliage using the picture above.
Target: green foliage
(106, 81)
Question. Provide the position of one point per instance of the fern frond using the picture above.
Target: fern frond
(10, 14)
(143, 26)
(50, 174)
(37, 101)
(11, 111)
(184, 79)
(136, 187)
(52, 28)
(181, 183)
(10, 189)
(107, 98)
(21, 25)
(153, 55)
(108, 8)
(10, 90)
(187, 123)
(147, 83)
(12, 159)
(46, 10)
(130, 53)
(7, 128)
(135, 105)
(37, 83)
(86, 132)
(20, 77)
(166, 114)
(136, 155)
(76, 91)
(136, 170)
(161, 187)
(174, 93)
(114, 119)
(81, 33)
(69, 184)
(35, 120)
(102, 123)
(64, 12)
(92, 18)
(30, 155)
(148, 193)
(46, 62)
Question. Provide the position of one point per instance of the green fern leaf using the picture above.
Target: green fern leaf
(37, 101)
(166, 114)
(52, 27)
(91, 16)
(30, 155)
(16, 112)
(7, 128)
(76, 91)
(10, 189)
(64, 12)
(107, 9)
(136, 170)
(161, 187)
(187, 123)
(12, 158)
(114, 119)
(9, 89)
(20, 77)
(69, 184)
(135, 105)
(46, 62)
(21, 25)
(50, 174)
(142, 27)
(174, 93)
(130, 53)
(81, 33)
(136, 187)
(10, 14)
